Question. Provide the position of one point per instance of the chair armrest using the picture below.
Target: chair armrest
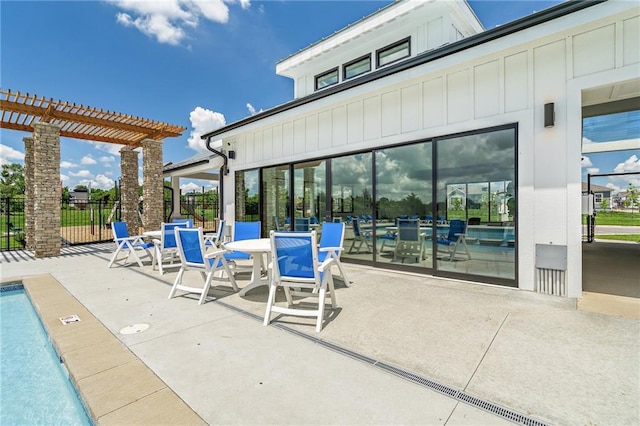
(333, 249)
(326, 265)
(215, 253)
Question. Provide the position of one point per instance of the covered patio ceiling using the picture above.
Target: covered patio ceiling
(21, 110)
(205, 165)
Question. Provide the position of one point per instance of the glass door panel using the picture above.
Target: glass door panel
(403, 191)
(352, 202)
(309, 194)
(247, 196)
(275, 199)
(475, 229)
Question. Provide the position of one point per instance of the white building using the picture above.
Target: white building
(417, 97)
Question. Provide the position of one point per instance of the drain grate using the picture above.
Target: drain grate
(456, 394)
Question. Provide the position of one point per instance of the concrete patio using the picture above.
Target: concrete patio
(400, 349)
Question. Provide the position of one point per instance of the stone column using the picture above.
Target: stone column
(29, 196)
(152, 184)
(129, 189)
(46, 189)
(175, 185)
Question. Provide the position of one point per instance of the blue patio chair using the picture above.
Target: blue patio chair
(191, 250)
(188, 221)
(409, 243)
(128, 244)
(215, 239)
(165, 248)
(388, 238)
(456, 236)
(297, 270)
(359, 237)
(301, 224)
(243, 231)
(331, 245)
(313, 220)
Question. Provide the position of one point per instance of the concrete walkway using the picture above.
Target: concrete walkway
(401, 349)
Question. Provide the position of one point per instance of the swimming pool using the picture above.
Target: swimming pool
(34, 386)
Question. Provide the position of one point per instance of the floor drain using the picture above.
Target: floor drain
(135, 328)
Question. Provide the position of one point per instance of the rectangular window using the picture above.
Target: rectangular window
(394, 52)
(357, 67)
(326, 79)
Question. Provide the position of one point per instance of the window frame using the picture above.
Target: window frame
(391, 46)
(355, 61)
(323, 74)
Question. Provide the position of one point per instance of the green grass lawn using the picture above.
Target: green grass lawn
(615, 218)
(620, 237)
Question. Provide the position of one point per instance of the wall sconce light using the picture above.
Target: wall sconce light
(231, 154)
(549, 115)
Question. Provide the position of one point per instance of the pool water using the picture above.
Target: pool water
(34, 387)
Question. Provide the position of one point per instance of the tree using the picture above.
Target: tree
(12, 180)
(604, 204)
(631, 199)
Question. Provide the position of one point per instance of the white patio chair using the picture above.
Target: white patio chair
(166, 249)
(296, 268)
(128, 244)
(331, 245)
(192, 254)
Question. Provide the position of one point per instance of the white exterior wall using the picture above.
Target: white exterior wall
(504, 81)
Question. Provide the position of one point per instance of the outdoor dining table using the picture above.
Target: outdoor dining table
(153, 234)
(257, 248)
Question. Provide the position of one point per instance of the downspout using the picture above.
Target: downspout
(224, 170)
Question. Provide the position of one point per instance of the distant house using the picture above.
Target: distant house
(79, 198)
(600, 193)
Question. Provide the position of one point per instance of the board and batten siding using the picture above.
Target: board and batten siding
(494, 84)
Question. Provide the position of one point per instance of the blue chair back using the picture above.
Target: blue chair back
(408, 230)
(332, 234)
(190, 244)
(337, 219)
(246, 231)
(302, 224)
(456, 226)
(296, 254)
(313, 220)
(119, 230)
(168, 234)
(189, 222)
(356, 228)
(220, 234)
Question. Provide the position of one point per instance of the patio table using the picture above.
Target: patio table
(256, 248)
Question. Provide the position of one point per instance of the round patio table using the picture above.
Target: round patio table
(256, 248)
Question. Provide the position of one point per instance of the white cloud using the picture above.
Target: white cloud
(586, 162)
(87, 160)
(631, 164)
(593, 170)
(67, 165)
(82, 173)
(107, 160)
(252, 110)
(7, 154)
(169, 20)
(111, 148)
(190, 187)
(65, 179)
(203, 121)
(102, 182)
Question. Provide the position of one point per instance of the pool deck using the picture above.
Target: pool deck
(400, 349)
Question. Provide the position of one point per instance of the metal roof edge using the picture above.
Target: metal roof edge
(521, 24)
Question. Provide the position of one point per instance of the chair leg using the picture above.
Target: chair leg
(270, 300)
(332, 293)
(207, 286)
(115, 255)
(321, 297)
(343, 273)
(176, 283)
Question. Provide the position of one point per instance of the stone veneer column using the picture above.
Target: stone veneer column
(152, 184)
(129, 189)
(238, 198)
(29, 198)
(46, 189)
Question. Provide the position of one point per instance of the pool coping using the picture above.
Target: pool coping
(115, 386)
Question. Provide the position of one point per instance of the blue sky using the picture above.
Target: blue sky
(196, 64)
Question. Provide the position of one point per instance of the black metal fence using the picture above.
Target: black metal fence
(90, 221)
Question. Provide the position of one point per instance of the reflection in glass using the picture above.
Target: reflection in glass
(351, 197)
(247, 197)
(475, 192)
(275, 203)
(403, 191)
(309, 195)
